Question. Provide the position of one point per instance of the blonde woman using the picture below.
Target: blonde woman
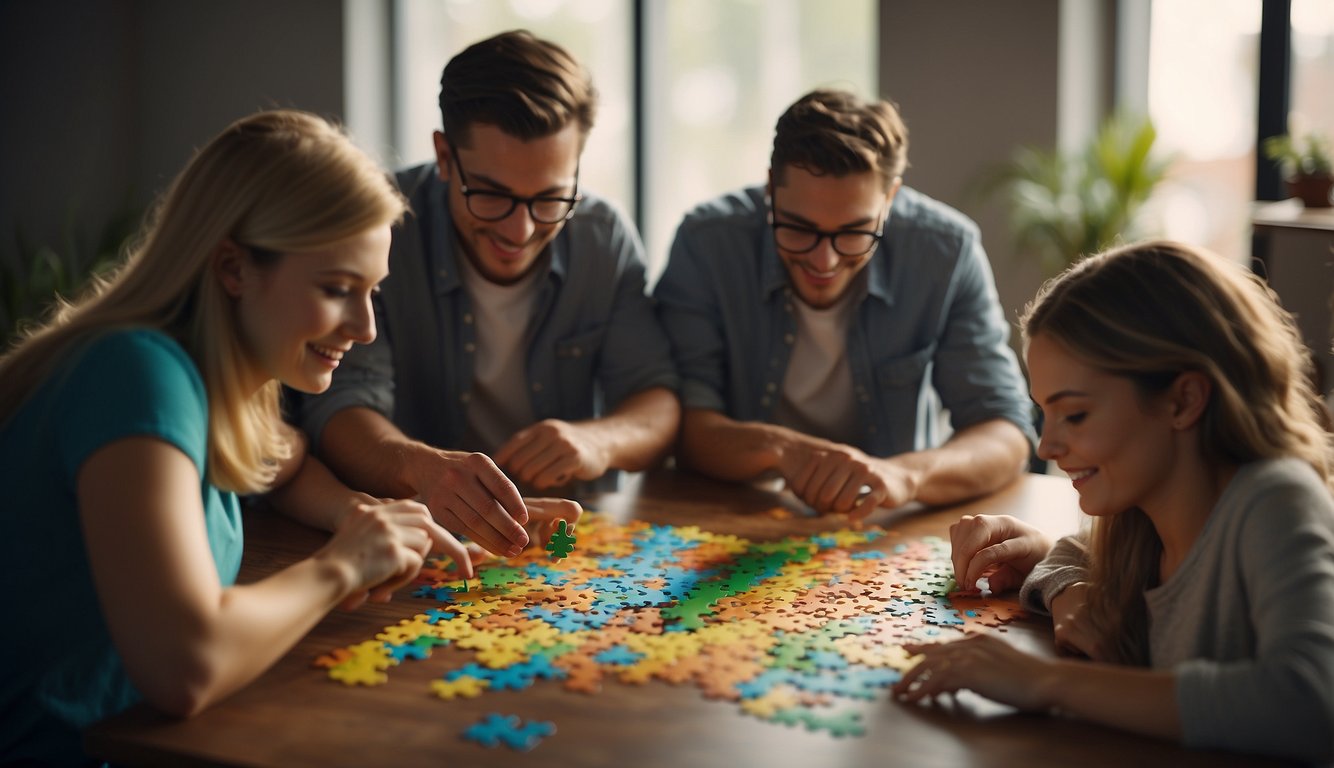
(1176, 399)
(131, 421)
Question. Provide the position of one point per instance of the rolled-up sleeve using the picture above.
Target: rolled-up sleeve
(687, 305)
(637, 354)
(1065, 564)
(976, 372)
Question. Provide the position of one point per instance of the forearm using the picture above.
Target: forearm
(315, 497)
(252, 627)
(1139, 700)
(718, 446)
(976, 461)
(370, 454)
(639, 433)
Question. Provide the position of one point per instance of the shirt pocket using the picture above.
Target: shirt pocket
(906, 372)
(576, 363)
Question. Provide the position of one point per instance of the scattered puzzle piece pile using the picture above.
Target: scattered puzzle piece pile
(785, 629)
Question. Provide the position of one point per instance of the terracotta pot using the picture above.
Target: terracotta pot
(1313, 190)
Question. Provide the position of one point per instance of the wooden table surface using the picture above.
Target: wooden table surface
(294, 715)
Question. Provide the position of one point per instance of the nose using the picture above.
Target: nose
(360, 324)
(823, 257)
(518, 227)
(1048, 447)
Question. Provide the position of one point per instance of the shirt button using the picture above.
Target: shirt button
(864, 398)
(465, 397)
(470, 347)
(870, 430)
(764, 401)
(467, 318)
(770, 387)
(537, 386)
(577, 352)
(442, 272)
(788, 339)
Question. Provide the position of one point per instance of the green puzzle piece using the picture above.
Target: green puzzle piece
(561, 544)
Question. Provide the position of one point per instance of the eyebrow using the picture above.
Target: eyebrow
(805, 222)
(1063, 394)
(348, 273)
(498, 187)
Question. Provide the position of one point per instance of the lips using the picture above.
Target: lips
(330, 353)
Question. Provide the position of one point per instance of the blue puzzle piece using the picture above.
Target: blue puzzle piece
(496, 729)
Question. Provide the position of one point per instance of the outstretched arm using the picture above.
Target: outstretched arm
(466, 492)
(185, 639)
(1133, 699)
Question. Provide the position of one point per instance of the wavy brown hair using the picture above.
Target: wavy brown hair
(281, 181)
(834, 132)
(1149, 312)
(528, 87)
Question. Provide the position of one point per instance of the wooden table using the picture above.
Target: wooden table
(294, 715)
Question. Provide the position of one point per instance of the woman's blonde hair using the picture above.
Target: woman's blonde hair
(1150, 311)
(277, 181)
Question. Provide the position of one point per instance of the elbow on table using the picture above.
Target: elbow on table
(185, 689)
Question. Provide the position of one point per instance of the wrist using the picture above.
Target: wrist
(337, 572)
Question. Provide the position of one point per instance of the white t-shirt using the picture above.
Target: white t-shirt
(817, 397)
(498, 405)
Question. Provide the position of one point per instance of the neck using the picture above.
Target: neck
(1181, 511)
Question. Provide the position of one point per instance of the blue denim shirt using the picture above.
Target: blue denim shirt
(928, 329)
(593, 340)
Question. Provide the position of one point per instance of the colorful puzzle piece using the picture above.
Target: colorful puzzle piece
(495, 729)
(787, 630)
(562, 543)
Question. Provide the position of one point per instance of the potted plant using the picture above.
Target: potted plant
(1306, 165)
(1066, 206)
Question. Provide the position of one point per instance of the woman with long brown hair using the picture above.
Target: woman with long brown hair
(1176, 398)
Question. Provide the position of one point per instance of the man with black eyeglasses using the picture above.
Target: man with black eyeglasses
(514, 321)
(824, 322)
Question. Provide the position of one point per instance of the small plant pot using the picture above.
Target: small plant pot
(1313, 190)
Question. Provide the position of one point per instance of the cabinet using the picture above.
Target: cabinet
(1294, 249)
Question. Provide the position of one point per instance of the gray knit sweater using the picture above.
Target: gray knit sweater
(1247, 622)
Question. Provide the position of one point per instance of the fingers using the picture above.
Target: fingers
(546, 515)
(478, 501)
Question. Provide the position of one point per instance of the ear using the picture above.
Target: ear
(444, 162)
(229, 262)
(1190, 395)
(769, 197)
(894, 189)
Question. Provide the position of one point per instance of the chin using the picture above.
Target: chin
(309, 386)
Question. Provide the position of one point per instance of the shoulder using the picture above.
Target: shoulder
(741, 211)
(1276, 497)
(142, 355)
(919, 221)
(600, 214)
(131, 382)
(417, 179)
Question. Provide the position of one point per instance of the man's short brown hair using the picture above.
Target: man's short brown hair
(834, 132)
(526, 86)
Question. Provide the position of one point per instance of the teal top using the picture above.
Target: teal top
(61, 670)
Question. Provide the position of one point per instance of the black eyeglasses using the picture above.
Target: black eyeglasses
(849, 243)
(489, 205)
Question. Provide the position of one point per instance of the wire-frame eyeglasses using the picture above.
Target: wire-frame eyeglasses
(491, 205)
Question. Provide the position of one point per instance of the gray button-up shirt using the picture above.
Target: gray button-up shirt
(928, 329)
(593, 340)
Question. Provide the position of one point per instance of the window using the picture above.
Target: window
(597, 32)
(1202, 99)
(720, 74)
(1312, 109)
